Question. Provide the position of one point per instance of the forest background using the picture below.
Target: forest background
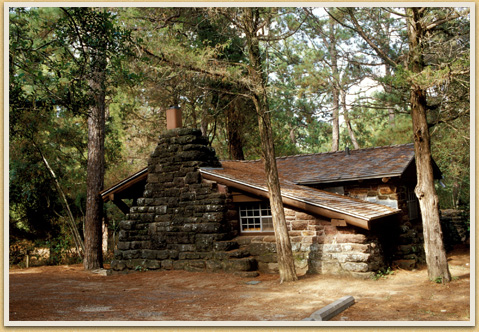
(327, 89)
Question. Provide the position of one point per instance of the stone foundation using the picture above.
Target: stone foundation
(408, 251)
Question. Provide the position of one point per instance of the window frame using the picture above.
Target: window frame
(255, 210)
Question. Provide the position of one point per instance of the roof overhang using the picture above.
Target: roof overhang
(120, 187)
(306, 205)
(347, 179)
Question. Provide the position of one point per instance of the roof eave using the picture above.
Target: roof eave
(356, 220)
(128, 182)
(358, 178)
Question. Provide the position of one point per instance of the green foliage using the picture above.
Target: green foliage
(450, 150)
(383, 273)
(51, 53)
(438, 280)
(141, 268)
(61, 251)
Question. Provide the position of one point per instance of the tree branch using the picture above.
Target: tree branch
(366, 38)
(439, 22)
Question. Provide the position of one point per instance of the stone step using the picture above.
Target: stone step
(236, 253)
(240, 264)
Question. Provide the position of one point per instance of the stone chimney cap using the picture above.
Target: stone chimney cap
(175, 107)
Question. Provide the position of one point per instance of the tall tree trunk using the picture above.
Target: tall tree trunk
(335, 136)
(234, 128)
(204, 122)
(425, 191)
(347, 121)
(284, 251)
(93, 258)
(388, 88)
(335, 85)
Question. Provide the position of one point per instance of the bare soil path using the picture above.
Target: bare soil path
(67, 293)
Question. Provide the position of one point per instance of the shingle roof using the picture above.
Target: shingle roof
(297, 171)
(386, 161)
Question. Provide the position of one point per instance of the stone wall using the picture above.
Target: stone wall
(380, 193)
(319, 247)
(408, 251)
(179, 223)
(455, 227)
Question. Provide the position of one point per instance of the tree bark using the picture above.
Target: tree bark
(93, 258)
(284, 251)
(388, 88)
(425, 191)
(335, 85)
(352, 136)
(234, 128)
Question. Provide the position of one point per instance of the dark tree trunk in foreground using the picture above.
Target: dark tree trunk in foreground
(286, 266)
(234, 124)
(428, 200)
(93, 258)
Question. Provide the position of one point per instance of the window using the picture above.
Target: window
(255, 217)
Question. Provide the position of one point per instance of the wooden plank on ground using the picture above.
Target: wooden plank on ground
(332, 309)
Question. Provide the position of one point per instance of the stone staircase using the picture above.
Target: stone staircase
(228, 256)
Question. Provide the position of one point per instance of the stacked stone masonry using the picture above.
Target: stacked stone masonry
(409, 249)
(319, 247)
(455, 227)
(179, 223)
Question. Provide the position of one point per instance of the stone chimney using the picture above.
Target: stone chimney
(173, 117)
(180, 220)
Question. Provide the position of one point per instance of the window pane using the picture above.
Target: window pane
(267, 224)
(265, 211)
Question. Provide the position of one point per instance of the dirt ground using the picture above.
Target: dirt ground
(67, 293)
